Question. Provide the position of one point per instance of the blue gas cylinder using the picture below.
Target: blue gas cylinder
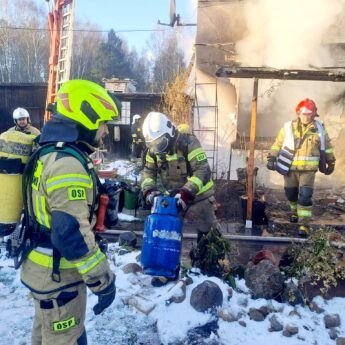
(161, 247)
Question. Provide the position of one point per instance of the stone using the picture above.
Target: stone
(230, 293)
(295, 313)
(132, 268)
(140, 304)
(314, 307)
(331, 320)
(178, 293)
(290, 330)
(340, 341)
(205, 296)
(201, 335)
(123, 251)
(264, 310)
(226, 315)
(256, 315)
(264, 280)
(276, 326)
(128, 238)
(189, 280)
(333, 333)
(264, 254)
(292, 294)
(242, 323)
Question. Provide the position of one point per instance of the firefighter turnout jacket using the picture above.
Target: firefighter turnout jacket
(307, 146)
(28, 129)
(62, 192)
(184, 166)
(137, 136)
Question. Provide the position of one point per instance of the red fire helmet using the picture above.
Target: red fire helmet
(306, 107)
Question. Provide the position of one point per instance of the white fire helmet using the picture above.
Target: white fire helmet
(20, 113)
(135, 117)
(158, 131)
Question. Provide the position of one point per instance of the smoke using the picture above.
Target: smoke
(288, 34)
(186, 34)
(294, 34)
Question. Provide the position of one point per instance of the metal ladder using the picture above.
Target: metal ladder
(211, 130)
(66, 41)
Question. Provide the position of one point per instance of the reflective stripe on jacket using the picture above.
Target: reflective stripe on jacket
(61, 184)
(307, 145)
(186, 166)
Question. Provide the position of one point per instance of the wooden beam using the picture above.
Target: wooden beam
(331, 74)
(250, 166)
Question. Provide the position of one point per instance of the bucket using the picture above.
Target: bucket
(258, 211)
(131, 199)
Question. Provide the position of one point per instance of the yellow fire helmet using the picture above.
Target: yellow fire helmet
(86, 103)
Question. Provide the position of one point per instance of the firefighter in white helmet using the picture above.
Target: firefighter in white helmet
(22, 123)
(182, 166)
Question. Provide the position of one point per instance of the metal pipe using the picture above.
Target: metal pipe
(240, 238)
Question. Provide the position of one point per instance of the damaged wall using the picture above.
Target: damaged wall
(278, 34)
(215, 119)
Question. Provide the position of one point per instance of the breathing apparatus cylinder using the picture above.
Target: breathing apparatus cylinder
(15, 150)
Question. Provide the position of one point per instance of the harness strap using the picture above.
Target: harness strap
(56, 277)
(30, 227)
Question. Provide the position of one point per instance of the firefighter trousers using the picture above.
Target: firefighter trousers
(299, 187)
(59, 317)
(201, 215)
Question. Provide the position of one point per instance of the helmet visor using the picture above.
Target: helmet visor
(160, 145)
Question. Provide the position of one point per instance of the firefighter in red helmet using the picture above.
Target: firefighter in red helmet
(301, 148)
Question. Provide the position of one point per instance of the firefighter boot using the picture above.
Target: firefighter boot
(303, 231)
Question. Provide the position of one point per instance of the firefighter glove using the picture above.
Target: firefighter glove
(183, 198)
(329, 169)
(151, 195)
(105, 298)
(271, 163)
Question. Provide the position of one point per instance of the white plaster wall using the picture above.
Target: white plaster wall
(204, 117)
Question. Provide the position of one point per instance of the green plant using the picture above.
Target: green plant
(321, 259)
(211, 255)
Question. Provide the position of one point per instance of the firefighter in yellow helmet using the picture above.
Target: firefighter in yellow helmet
(22, 123)
(181, 164)
(301, 148)
(64, 258)
(183, 128)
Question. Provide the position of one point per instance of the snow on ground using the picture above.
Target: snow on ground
(124, 168)
(166, 324)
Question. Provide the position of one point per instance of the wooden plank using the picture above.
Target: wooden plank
(330, 74)
(250, 167)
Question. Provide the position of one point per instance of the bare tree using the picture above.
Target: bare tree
(86, 42)
(23, 42)
(6, 56)
(168, 59)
